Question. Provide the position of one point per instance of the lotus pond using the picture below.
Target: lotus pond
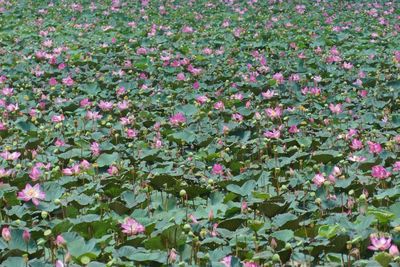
(199, 133)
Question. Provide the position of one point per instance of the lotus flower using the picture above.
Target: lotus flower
(32, 193)
(226, 261)
(177, 119)
(394, 251)
(318, 179)
(380, 172)
(10, 156)
(6, 234)
(337, 109)
(379, 243)
(218, 169)
(396, 166)
(132, 227)
(374, 148)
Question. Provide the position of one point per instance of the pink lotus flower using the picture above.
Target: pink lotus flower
(10, 156)
(268, 94)
(60, 241)
(85, 164)
(105, 106)
(131, 133)
(380, 172)
(180, 76)
(177, 119)
(347, 66)
(53, 81)
(274, 134)
(112, 170)
(217, 169)
(394, 251)
(35, 173)
(4, 172)
(32, 193)
(396, 166)
(123, 105)
(278, 77)
(196, 85)
(250, 264)
(93, 115)
(172, 256)
(356, 144)
(274, 112)
(3, 126)
(226, 261)
(318, 180)
(379, 243)
(356, 158)
(57, 118)
(132, 227)
(201, 99)
(219, 105)
(243, 206)
(26, 236)
(6, 233)
(141, 51)
(7, 91)
(237, 117)
(337, 109)
(293, 129)
(59, 143)
(374, 148)
(68, 81)
(85, 102)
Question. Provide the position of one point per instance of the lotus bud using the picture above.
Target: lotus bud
(26, 236)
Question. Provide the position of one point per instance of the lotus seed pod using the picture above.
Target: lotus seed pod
(276, 258)
(182, 193)
(44, 214)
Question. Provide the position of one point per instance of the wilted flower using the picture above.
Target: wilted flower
(33, 193)
(132, 227)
